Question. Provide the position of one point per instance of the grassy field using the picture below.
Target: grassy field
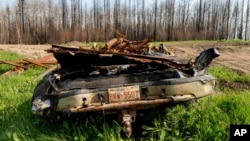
(209, 119)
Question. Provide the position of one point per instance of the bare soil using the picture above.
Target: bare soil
(235, 56)
(225, 84)
(29, 51)
(232, 55)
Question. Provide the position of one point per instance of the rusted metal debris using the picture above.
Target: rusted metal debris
(21, 66)
(134, 52)
(36, 63)
(13, 64)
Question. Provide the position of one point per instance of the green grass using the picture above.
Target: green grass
(228, 74)
(9, 56)
(236, 41)
(207, 120)
(204, 121)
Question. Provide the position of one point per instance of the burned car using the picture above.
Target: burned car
(121, 78)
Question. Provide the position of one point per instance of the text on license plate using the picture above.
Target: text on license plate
(124, 93)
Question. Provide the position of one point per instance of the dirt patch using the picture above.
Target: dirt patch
(29, 51)
(225, 84)
(74, 44)
(232, 55)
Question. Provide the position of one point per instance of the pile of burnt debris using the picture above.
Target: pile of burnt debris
(120, 55)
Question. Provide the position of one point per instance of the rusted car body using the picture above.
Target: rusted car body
(91, 80)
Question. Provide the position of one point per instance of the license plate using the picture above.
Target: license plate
(124, 93)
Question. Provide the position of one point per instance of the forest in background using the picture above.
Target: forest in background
(60, 21)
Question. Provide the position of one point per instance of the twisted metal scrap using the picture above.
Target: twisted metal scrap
(135, 51)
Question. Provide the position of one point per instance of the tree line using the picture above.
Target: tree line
(60, 21)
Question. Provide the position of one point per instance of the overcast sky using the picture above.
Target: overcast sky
(4, 3)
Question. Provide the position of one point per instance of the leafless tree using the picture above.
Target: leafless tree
(58, 21)
(64, 13)
(240, 33)
(155, 18)
(247, 20)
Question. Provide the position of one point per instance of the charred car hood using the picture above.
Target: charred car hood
(121, 77)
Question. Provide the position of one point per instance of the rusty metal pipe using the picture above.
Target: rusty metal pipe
(36, 63)
(13, 64)
(135, 105)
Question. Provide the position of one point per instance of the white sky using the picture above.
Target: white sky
(4, 3)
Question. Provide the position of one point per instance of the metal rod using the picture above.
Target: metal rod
(142, 104)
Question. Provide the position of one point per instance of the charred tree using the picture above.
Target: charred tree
(155, 19)
(247, 20)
